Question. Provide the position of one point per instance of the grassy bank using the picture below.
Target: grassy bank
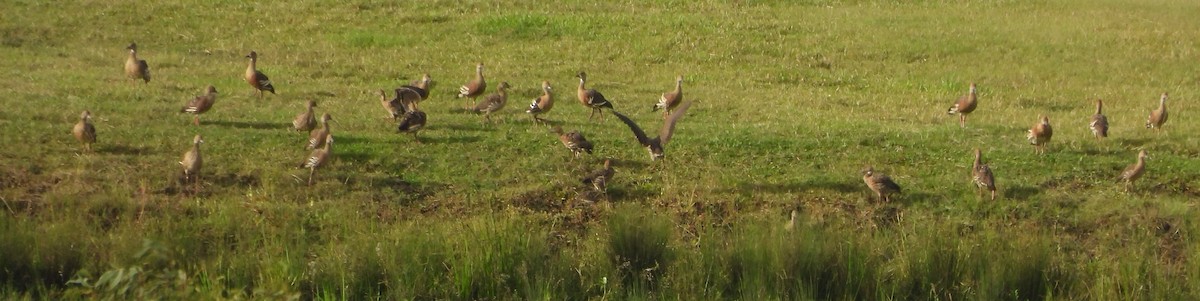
(793, 99)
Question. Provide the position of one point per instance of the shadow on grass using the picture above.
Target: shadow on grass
(1020, 192)
(478, 127)
(618, 194)
(450, 140)
(792, 187)
(123, 150)
(247, 124)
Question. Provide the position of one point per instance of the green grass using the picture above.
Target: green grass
(794, 98)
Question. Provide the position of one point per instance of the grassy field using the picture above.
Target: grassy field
(793, 100)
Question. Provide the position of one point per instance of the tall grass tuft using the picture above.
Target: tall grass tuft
(638, 248)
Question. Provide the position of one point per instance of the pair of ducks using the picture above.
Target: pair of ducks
(137, 68)
(192, 160)
(491, 103)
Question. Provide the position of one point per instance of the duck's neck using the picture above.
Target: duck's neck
(1099, 107)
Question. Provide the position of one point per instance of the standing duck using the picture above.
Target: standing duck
(307, 120)
(191, 161)
(1099, 125)
(420, 86)
(1040, 134)
(136, 68)
(84, 131)
(880, 184)
(1158, 116)
(256, 78)
(655, 145)
(318, 157)
(599, 178)
(316, 138)
(200, 104)
(391, 105)
(475, 87)
(574, 141)
(965, 105)
(981, 175)
(668, 101)
(493, 102)
(543, 103)
(591, 98)
(413, 120)
(1134, 171)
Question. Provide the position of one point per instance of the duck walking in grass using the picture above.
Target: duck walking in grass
(541, 104)
(655, 145)
(192, 161)
(591, 98)
(413, 120)
(494, 102)
(574, 141)
(420, 87)
(1039, 135)
(136, 68)
(307, 120)
(668, 101)
(200, 104)
(981, 175)
(316, 138)
(256, 78)
(598, 179)
(965, 105)
(475, 87)
(880, 184)
(1134, 171)
(391, 105)
(84, 131)
(318, 157)
(791, 223)
(1158, 116)
(1099, 124)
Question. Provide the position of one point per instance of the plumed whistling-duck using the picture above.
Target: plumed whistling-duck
(316, 138)
(655, 145)
(1135, 170)
(200, 104)
(136, 68)
(420, 86)
(1158, 116)
(493, 102)
(541, 104)
(574, 141)
(391, 105)
(413, 120)
(981, 175)
(965, 105)
(318, 157)
(1040, 134)
(880, 184)
(256, 78)
(84, 131)
(307, 120)
(1099, 124)
(599, 178)
(192, 162)
(591, 98)
(668, 101)
(475, 87)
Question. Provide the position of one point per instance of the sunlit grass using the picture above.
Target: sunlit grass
(793, 100)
